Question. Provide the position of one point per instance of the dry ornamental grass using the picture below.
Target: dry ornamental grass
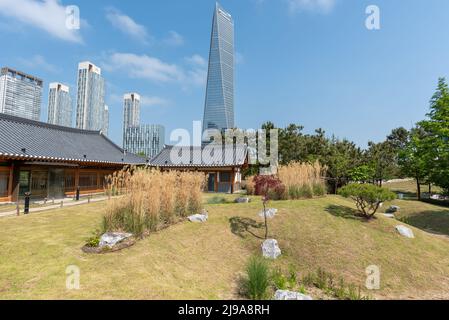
(151, 199)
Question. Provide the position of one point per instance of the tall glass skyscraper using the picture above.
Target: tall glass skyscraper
(90, 97)
(59, 105)
(20, 94)
(219, 104)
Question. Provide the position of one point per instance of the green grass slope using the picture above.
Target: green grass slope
(205, 261)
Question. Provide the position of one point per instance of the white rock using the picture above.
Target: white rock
(404, 231)
(110, 239)
(199, 217)
(389, 215)
(290, 295)
(242, 200)
(270, 249)
(271, 212)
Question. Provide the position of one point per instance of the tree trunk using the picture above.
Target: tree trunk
(418, 188)
(430, 189)
(265, 216)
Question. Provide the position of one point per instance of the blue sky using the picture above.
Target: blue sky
(310, 62)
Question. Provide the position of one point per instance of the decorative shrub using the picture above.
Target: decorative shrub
(94, 240)
(283, 282)
(258, 279)
(367, 197)
(269, 185)
(151, 199)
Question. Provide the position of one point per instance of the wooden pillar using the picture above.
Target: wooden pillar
(232, 179)
(77, 178)
(98, 180)
(216, 182)
(10, 183)
(15, 182)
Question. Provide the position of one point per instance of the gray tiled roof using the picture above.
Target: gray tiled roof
(28, 139)
(177, 156)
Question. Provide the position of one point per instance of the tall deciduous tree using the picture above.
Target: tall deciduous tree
(436, 139)
(412, 158)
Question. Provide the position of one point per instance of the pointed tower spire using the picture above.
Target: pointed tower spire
(219, 102)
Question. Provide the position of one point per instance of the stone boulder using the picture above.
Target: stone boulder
(271, 212)
(270, 249)
(404, 231)
(393, 209)
(202, 217)
(242, 200)
(290, 295)
(389, 215)
(110, 239)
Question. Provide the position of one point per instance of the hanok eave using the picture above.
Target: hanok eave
(51, 161)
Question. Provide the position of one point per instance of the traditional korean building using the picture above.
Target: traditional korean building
(52, 161)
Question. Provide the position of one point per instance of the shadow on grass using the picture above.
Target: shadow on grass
(242, 226)
(218, 200)
(344, 212)
(436, 222)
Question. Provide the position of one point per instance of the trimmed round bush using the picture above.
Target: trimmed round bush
(367, 197)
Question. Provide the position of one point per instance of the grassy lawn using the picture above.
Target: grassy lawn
(409, 189)
(205, 261)
(433, 219)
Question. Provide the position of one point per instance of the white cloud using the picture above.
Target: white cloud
(198, 72)
(198, 76)
(127, 25)
(197, 60)
(143, 67)
(323, 6)
(48, 15)
(174, 39)
(38, 62)
(154, 69)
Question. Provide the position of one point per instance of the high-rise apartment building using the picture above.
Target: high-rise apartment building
(59, 105)
(219, 103)
(145, 139)
(20, 94)
(90, 97)
(131, 111)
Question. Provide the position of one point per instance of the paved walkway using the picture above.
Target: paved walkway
(57, 205)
